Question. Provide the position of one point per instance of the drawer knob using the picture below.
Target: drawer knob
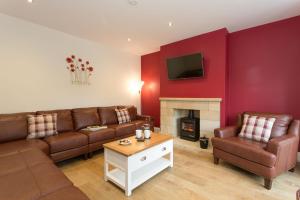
(164, 148)
(143, 158)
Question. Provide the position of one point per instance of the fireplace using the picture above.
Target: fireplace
(190, 127)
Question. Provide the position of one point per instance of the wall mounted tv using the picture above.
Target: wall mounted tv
(184, 67)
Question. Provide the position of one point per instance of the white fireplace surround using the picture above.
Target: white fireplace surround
(207, 109)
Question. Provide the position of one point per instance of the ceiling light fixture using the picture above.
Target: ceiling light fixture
(29, 1)
(133, 2)
(170, 24)
(129, 39)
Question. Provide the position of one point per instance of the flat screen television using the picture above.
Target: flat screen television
(184, 67)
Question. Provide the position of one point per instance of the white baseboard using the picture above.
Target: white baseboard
(298, 159)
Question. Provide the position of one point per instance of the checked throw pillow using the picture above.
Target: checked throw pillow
(123, 115)
(40, 126)
(257, 128)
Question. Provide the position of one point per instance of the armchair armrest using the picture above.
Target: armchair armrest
(226, 132)
(285, 148)
(285, 141)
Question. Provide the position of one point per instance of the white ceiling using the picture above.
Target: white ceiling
(111, 22)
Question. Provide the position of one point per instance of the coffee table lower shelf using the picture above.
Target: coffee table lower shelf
(139, 176)
(130, 166)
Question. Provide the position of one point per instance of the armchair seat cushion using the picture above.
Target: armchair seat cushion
(247, 149)
(66, 141)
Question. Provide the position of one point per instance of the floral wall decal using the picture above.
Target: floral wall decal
(80, 71)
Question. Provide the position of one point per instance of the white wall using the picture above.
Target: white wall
(33, 74)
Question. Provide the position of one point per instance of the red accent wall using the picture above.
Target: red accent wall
(264, 69)
(213, 46)
(151, 90)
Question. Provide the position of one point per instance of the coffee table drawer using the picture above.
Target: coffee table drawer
(145, 157)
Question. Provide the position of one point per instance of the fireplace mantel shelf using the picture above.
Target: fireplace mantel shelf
(191, 99)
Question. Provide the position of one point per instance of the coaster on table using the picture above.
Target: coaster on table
(124, 142)
(142, 139)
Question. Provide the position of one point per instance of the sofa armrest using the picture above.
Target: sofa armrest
(148, 119)
(226, 132)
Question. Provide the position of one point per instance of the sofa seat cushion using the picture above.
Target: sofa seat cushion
(67, 193)
(138, 123)
(29, 175)
(65, 141)
(100, 135)
(246, 149)
(49, 178)
(22, 145)
(18, 185)
(15, 161)
(123, 129)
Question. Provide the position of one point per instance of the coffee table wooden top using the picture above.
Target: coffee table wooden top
(135, 146)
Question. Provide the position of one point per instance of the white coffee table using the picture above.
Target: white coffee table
(130, 166)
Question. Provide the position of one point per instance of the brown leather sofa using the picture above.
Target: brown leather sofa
(264, 159)
(30, 175)
(16, 151)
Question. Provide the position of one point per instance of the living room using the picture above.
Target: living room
(136, 99)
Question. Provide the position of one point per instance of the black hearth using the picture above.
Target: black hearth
(190, 127)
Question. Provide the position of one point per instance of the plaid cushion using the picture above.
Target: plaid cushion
(123, 115)
(257, 128)
(40, 126)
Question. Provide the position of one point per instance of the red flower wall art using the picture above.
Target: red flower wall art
(80, 71)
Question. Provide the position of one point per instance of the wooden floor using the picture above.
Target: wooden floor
(194, 176)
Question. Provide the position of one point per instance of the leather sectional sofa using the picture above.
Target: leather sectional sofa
(26, 172)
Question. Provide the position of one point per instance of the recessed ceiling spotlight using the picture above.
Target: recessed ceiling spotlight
(29, 1)
(170, 24)
(129, 39)
(133, 2)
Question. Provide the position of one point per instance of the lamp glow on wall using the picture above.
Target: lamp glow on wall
(136, 86)
(141, 84)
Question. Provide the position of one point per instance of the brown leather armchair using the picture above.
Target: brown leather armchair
(264, 159)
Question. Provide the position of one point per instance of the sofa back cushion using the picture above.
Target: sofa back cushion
(132, 112)
(64, 119)
(108, 115)
(13, 126)
(281, 123)
(84, 117)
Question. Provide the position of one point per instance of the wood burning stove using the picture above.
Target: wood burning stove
(190, 127)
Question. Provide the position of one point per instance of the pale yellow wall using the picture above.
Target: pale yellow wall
(33, 73)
